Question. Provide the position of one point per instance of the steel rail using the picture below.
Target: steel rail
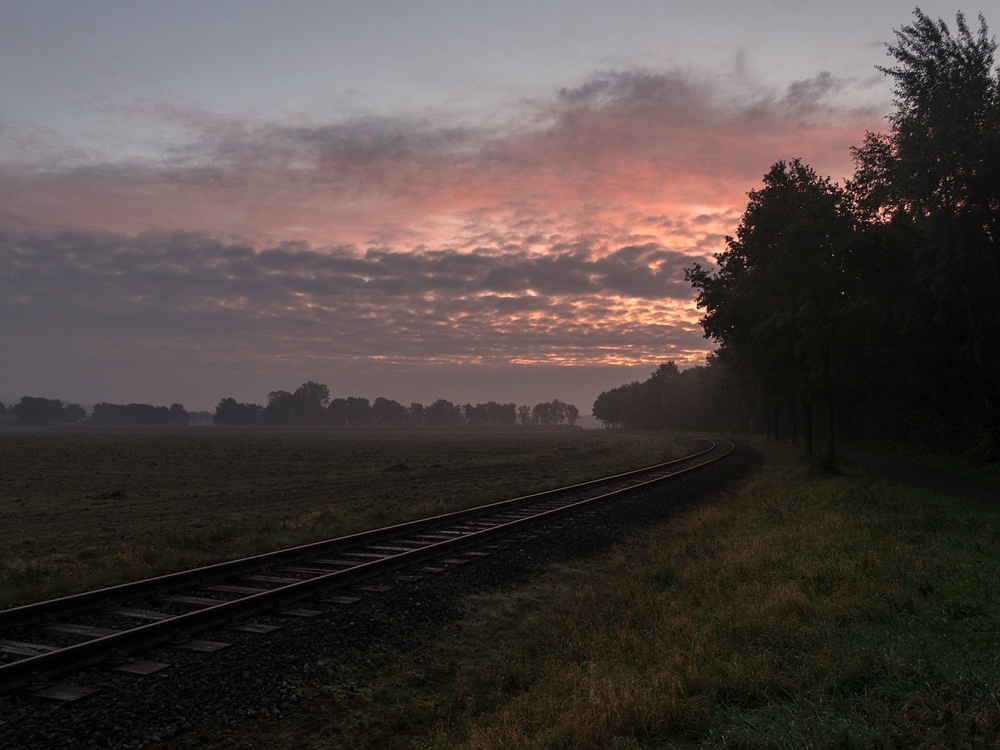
(98, 649)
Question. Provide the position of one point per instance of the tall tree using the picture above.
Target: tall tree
(779, 296)
(40, 412)
(310, 402)
(231, 412)
(389, 412)
(308, 405)
(934, 179)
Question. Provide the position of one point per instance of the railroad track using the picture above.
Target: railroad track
(59, 635)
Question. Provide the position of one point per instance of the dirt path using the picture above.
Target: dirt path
(915, 475)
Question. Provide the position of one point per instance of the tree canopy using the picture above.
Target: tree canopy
(878, 301)
(310, 404)
(931, 187)
(777, 301)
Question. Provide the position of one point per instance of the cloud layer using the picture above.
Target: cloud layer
(592, 158)
(554, 233)
(568, 304)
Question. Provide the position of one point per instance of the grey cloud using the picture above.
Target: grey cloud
(351, 143)
(364, 141)
(810, 91)
(290, 299)
(625, 137)
(634, 88)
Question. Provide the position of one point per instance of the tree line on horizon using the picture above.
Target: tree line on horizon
(310, 404)
(33, 411)
(869, 309)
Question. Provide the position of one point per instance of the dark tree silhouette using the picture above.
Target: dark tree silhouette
(932, 186)
(33, 411)
(698, 398)
(388, 412)
(351, 411)
(555, 412)
(779, 298)
(280, 408)
(491, 414)
(880, 301)
(230, 412)
(138, 415)
(74, 414)
(416, 413)
(443, 412)
(306, 406)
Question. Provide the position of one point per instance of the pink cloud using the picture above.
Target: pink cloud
(658, 143)
(559, 239)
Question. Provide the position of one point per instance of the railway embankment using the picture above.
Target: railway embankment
(792, 609)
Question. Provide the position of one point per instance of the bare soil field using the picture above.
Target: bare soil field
(80, 509)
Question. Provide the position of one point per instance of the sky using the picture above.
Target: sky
(408, 199)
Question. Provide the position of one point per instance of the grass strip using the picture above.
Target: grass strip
(801, 610)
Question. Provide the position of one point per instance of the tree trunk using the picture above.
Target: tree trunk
(829, 458)
(807, 432)
(795, 422)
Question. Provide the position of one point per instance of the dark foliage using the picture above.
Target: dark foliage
(698, 398)
(138, 415)
(876, 304)
(785, 289)
(930, 189)
(32, 411)
(229, 412)
(311, 405)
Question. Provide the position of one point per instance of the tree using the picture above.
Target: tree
(490, 414)
(306, 406)
(359, 410)
(138, 415)
(388, 412)
(311, 400)
(933, 184)
(541, 414)
(74, 414)
(349, 411)
(443, 412)
(781, 291)
(697, 398)
(179, 415)
(416, 413)
(230, 412)
(280, 408)
(34, 411)
(572, 414)
(554, 412)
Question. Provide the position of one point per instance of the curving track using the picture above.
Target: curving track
(42, 639)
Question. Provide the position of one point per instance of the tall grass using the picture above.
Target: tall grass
(799, 611)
